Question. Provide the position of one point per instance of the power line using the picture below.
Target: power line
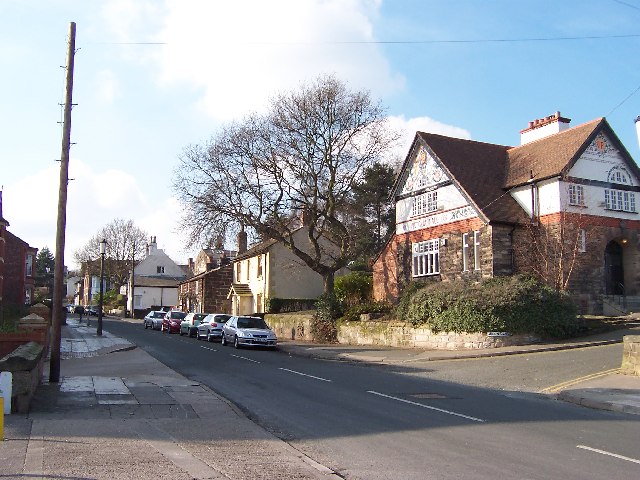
(412, 42)
(627, 4)
(623, 101)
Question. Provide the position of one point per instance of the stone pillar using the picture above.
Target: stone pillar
(631, 355)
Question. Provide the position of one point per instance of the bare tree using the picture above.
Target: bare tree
(122, 237)
(301, 158)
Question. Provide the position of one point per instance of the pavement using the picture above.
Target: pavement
(118, 413)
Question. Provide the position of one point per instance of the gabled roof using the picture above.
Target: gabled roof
(551, 156)
(240, 289)
(478, 169)
(257, 249)
(165, 282)
(485, 172)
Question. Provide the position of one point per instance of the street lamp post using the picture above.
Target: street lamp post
(103, 249)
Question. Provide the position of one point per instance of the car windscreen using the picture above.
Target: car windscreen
(158, 314)
(199, 316)
(178, 315)
(222, 318)
(251, 322)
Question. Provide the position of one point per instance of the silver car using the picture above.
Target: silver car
(189, 325)
(248, 332)
(211, 326)
(153, 319)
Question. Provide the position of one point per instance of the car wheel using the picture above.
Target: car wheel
(145, 325)
(209, 337)
(223, 341)
(236, 344)
(181, 332)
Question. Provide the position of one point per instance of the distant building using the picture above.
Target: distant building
(156, 279)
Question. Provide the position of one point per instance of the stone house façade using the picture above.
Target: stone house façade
(564, 200)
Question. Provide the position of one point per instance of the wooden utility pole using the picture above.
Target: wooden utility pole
(57, 313)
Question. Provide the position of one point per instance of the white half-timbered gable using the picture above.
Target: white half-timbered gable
(428, 196)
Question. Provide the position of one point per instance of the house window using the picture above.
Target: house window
(27, 296)
(259, 267)
(159, 269)
(29, 266)
(248, 268)
(619, 176)
(465, 252)
(476, 250)
(582, 241)
(425, 203)
(426, 258)
(619, 200)
(259, 303)
(238, 272)
(576, 195)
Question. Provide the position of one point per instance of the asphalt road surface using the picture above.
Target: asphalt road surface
(375, 423)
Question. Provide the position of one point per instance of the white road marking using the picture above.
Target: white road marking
(603, 452)
(208, 348)
(426, 406)
(305, 375)
(245, 358)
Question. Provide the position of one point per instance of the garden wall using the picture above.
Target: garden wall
(401, 334)
(291, 326)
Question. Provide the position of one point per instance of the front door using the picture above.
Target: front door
(614, 270)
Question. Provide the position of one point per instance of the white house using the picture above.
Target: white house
(156, 279)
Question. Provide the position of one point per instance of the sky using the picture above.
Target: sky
(155, 76)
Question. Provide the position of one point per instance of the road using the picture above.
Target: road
(378, 423)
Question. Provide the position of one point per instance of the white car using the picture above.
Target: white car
(248, 332)
(211, 326)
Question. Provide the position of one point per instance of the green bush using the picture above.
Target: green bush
(354, 288)
(323, 324)
(353, 313)
(515, 304)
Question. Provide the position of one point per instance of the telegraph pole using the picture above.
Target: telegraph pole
(58, 276)
(133, 279)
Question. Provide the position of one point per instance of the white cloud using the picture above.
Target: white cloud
(107, 86)
(407, 129)
(237, 54)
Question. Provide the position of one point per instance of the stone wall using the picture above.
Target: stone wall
(291, 326)
(631, 355)
(401, 334)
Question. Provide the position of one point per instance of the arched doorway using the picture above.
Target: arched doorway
(614, 270)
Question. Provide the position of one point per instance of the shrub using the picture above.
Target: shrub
(353, 313)
(323, 324)
(354, 288)
(515, 304)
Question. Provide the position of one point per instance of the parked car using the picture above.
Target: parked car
(153, 319)
(91, 310)
(211, 326)
(249, 332)
(189, 325)
(71, 308)
(171, 321)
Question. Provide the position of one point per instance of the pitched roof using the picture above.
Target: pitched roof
(479, 170)
(241, 289)
(550, 156)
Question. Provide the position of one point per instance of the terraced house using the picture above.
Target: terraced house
(563, 205)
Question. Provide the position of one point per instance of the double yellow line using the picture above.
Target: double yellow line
(569, 383)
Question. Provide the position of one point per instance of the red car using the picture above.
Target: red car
(171, 321)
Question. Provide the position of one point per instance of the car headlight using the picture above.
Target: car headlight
(244, 334)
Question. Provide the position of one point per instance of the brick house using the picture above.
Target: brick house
(19, 271)
(467, 209)
(3, 242)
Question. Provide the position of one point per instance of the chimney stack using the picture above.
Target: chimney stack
(242, 240)
(544, 127)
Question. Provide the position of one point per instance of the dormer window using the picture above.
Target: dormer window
(159, 269)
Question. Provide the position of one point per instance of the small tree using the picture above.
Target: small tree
(123, 238)
(45, 262)
(302, 158)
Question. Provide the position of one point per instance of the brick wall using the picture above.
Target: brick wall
(215, 288)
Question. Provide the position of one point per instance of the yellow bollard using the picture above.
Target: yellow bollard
(1, 418)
